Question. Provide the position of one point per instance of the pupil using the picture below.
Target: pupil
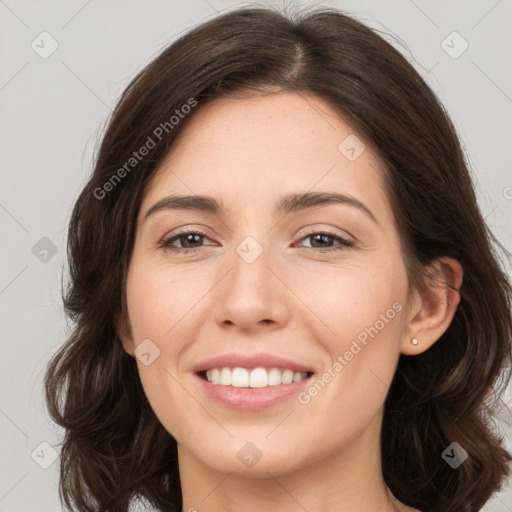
(190, 236)
(323, 237)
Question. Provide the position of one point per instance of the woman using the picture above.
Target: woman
(285, 295)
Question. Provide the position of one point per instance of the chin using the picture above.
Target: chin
(250, 459)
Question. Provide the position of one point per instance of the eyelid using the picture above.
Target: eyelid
(307, 230)
(183, 230)
(344, 243)
(331, 230)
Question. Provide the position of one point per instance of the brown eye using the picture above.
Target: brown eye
(320, 240)
(187, 239)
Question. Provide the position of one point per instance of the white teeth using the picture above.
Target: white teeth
(260, 377)
(287, 377)
(274, 377)
(225, 377)
(240, 378)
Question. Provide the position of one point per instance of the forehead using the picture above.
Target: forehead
(272, 126)
(256, 148)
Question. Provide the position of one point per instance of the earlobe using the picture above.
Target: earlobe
(435, 306)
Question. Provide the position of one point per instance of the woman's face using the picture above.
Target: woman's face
(313, 323)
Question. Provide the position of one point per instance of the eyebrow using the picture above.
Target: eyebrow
(290, 203)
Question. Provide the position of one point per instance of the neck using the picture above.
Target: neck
(347, 480)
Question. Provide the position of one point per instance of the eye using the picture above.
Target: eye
(322, 237)
(192, 237)
(187, 237)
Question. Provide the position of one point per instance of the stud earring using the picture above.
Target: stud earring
(414, 341)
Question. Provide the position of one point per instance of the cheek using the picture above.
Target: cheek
(354, 316)
(361, 322)
(351, 299)
(160, 303)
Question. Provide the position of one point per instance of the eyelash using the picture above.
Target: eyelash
(344, 244)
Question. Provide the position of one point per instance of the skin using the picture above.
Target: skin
(295, 300)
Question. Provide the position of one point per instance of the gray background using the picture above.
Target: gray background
(53, 108)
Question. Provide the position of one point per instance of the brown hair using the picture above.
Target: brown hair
(115, 449)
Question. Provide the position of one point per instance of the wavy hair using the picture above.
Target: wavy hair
(115, 450)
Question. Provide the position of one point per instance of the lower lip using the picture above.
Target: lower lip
(251, 399)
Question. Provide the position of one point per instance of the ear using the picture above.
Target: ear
(124, 332)
(433, 306)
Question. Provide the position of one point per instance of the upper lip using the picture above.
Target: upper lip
(250, 361)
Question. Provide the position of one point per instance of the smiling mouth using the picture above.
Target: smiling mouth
(259, 377)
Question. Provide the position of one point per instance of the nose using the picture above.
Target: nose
(252, 295)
